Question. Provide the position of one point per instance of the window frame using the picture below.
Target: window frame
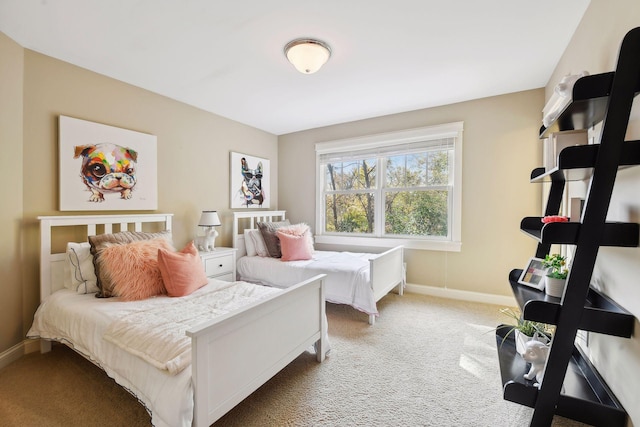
(453, 242)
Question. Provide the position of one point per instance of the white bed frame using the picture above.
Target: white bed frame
(232, 355)
(387, 269)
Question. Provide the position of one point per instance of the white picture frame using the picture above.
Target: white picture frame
(250, 181)
(533, 274)
(82, 143)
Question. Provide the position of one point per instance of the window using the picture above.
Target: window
(389, 189)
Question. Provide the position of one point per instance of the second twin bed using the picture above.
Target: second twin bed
(355, 279)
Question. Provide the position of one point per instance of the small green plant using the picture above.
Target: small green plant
(526, 327)
(557, 265)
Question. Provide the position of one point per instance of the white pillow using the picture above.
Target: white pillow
(82, 275)
(248, 244)
(258, 242)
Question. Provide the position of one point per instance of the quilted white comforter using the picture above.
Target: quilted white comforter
(156, 332)
(82, 321)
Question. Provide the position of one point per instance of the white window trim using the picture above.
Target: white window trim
(448, 130)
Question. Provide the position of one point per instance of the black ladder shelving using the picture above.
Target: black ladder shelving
(571, 386)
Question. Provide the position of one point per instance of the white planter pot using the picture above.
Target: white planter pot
(554, 287)
(522, 340)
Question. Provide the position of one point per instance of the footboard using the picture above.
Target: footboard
(236, 353)
(387, 272)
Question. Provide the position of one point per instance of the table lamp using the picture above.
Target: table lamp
(208, 220)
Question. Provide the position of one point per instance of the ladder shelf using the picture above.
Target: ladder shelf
(571, 386)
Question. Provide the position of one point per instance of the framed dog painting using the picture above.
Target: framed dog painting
(250, 182)
(106, 168)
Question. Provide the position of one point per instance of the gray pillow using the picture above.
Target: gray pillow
(271, 240)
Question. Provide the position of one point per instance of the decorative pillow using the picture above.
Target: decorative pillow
(300, 229)
(258, 243)
(249, 246)
(99, 241)
(82, 275)
(132, 268)
(182, 272)
(293, 247)
(268, 231)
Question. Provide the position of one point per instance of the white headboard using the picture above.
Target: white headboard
(248, 220)
(52, 264)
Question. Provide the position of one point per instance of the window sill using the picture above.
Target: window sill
(368, 242)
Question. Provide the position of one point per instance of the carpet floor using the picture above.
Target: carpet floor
(426, 362)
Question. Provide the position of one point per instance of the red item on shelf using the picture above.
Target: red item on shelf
(554, 218)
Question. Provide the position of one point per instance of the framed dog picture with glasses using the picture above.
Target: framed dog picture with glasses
(250, 182)
(106, 168)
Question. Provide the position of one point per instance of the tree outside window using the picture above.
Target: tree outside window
(414, 192)
(399, 186)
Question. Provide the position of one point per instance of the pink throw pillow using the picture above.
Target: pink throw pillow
(133, 268)
(300, 229)
(294, 247)
(182, 272)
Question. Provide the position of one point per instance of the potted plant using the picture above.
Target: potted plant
(526, 330)
(557, 273)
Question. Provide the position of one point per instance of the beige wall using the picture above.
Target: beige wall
(594, 48)
(193, 160)
(11, 303)
(500, 148)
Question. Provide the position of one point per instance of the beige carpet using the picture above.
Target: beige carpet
(426, 362)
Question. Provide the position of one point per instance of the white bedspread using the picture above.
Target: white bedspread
(156, 332)
(347, 280)
(81, 320)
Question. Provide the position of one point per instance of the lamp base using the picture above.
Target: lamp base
(206, 243)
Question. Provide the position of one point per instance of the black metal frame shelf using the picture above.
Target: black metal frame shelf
(601, 314)
(585, 396)
(576, 163)
(571, 386)
(621, 234)
(588, 104)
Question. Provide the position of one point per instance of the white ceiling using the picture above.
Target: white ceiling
(226, 57)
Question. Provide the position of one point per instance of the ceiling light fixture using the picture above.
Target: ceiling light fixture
(307, 55)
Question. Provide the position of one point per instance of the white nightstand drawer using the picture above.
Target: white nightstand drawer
(219, 265)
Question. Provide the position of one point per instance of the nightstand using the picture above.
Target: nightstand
(220, 263)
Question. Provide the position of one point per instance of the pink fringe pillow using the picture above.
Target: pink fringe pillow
(133, 268)
(182, 272)
(296, 242)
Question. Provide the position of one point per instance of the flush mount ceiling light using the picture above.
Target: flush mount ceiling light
(307, 55)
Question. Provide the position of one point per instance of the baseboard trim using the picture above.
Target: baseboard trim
(31, 346)
(17, 351)
(433, 291)
(11, 355)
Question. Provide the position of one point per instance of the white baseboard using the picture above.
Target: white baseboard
(31, 346)
(11, 355)
(17, 351)
(507, 301)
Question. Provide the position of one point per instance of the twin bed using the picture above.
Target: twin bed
(230, 354)
(356, 279)
(193, 370)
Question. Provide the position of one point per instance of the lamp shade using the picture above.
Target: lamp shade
(307, 55)
(209, 219)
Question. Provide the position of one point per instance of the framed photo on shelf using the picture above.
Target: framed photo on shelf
(533, 274)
